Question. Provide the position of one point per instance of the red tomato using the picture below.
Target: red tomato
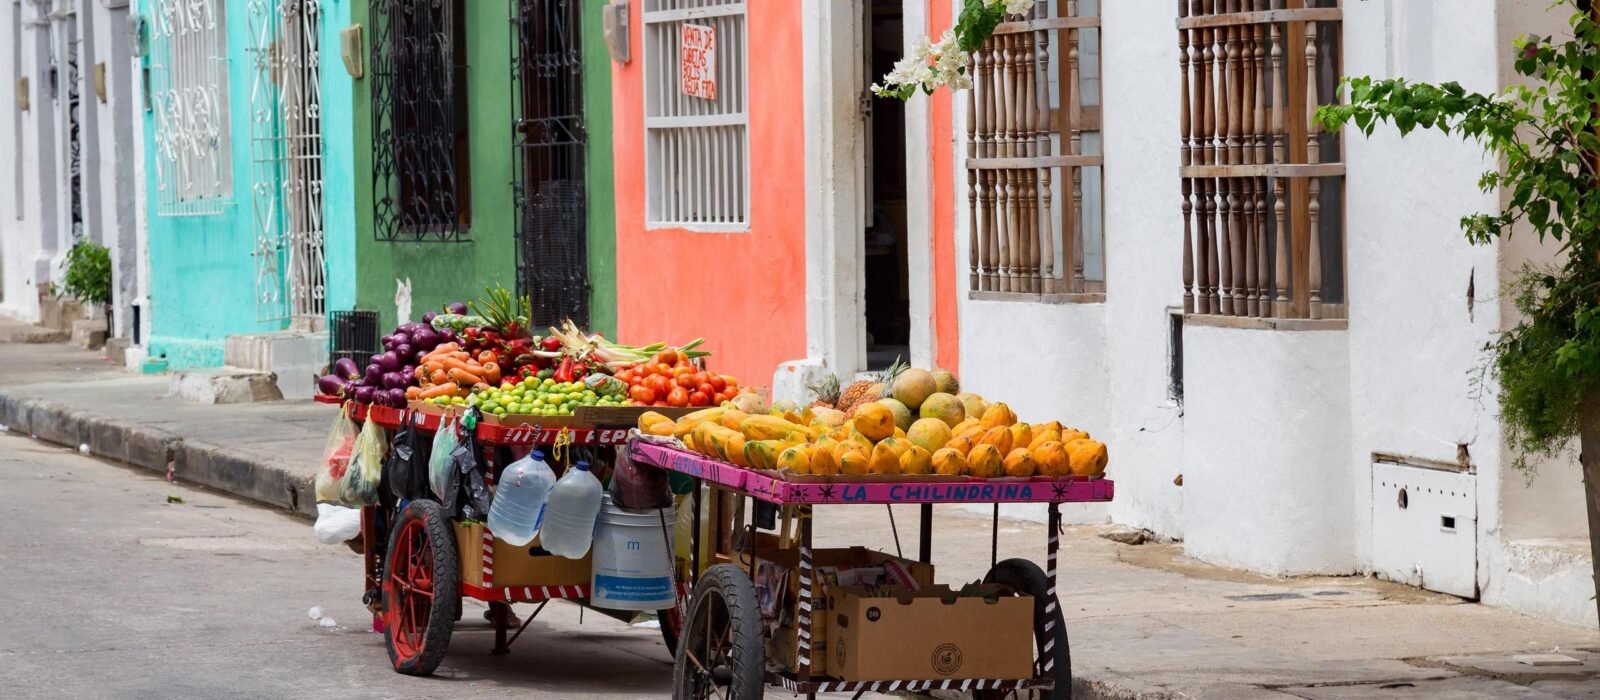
(686, 380)
(625, 376)
(659, 384)
(678, 398)
(642, 394)
(706, 388)
(663, 369)
(699, 398)
(718, 382)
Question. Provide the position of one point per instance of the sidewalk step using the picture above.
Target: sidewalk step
(222, 385)
(89, 334)
(24, 333)
(296, 357)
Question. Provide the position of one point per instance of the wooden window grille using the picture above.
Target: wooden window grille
(1034, 164)
(420, 166)
(189, 95)
(1263, 187)
(696, 149)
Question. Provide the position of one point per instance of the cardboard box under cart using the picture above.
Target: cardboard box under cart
(892, 633)
(513, 566)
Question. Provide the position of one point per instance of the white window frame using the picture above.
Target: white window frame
(189, 95)
(693, 136)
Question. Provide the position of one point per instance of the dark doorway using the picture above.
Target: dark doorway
(552, 245)
(887, 303)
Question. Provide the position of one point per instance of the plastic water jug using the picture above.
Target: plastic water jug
(519, 499)
(570, 512)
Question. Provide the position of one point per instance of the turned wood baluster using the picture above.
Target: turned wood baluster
(1313, 155)
(1184, 112)
(1280, 85)
(1247, 235)
(1259, 119)
(1280, 280)
(974, 255)
(1046, 213)
(1207, 124)
(988, 178)
(1075, 112)
(1188, 247)
(1234, 70)
(1005, 132)
(1030, 112)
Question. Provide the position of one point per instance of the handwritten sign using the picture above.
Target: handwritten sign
(697, 60)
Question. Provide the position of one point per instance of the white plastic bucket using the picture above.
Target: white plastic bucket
(632, 559)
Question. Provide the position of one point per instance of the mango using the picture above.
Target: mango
(885, 457)
(875, 421)
(949, 462)
(1086, 457)
(916, 460)
(796, 459)
(1021, 435)
(1051, 456)
(998, 415)
(854, 462)
(822, 462)
(985, 461)
(1019, 463)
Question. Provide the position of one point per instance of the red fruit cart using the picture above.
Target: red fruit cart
(420, 565)
(723, 650)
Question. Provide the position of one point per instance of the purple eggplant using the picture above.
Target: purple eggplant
(425, 339)
(400, 338)
(395, 398)
(406, 352)
(346, 367)
(428, 317)
(373, 374)
(364, 394)
(456, 307)
(333, 385)
(389, 361)
(394, 380)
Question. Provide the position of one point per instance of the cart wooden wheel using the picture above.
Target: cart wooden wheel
(421, 589)
(720, 653)
(1052, 658)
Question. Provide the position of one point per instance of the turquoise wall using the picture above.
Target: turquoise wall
(338, 161)
(202, 277)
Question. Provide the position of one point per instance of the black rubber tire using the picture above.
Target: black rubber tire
(727, 588)
(443, 612)
(1026, 578)
(669, 632)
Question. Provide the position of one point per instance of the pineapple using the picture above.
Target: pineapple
(863, 391)
(827, 391)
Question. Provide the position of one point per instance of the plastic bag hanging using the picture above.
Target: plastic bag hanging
(336, 455)
(361, 479)
(440, 467)
(472, 493)
(406, 470)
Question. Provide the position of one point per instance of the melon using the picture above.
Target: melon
(974, 404)
(902, 412)
(944, 382)
(930, 434)
(913, 386)
(875, 420)
(945, 407)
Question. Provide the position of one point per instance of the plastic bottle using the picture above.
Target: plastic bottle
(570, 514)
(519, 499)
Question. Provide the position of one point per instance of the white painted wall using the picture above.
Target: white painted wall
(27, 206)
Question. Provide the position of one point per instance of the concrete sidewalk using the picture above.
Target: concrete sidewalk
(1145, 621)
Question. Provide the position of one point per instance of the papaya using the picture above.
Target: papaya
(763, 454)
(898, 433)
(916, 460)
(1086, 457)
(663, 429)
(864, 441)
(688, 422)
(732, 447)
(999, 436)
(824, 418)
(985, 461)
(689, 444)
(847, 446)
(1020, 463)
(1052, 458)
(822, 462)
(1052, 425)
(702, 435)
(949, 462)
(796, 459)
(1070, 434)
(964, 427)
(854, 462)
(649, 418)
(774, 428)
(730, 418)
(998, 415)
(875, 421)
(1021, 435)
(962, 445)
(1042, 435)
(885, 458)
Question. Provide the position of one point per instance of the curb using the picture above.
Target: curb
(159, 451)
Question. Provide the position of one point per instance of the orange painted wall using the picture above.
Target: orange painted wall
(946, 321)
(744, 292)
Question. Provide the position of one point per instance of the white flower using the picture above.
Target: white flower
(1013, 7)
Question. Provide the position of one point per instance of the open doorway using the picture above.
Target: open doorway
(887, 302)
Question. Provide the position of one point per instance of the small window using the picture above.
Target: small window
(189, 87)
(696, 118)
(421, 167)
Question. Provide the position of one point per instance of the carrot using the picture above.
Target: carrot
(439, 376)
(412, 392)
(486, 357)
(445, 389)
(450, 363)
(446, 348)
(463, 377)
(421, 373)
(491, 373)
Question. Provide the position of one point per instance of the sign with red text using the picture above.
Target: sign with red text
(697, 60)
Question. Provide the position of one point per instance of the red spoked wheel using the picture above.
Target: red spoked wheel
(421, 589)
(671, 621)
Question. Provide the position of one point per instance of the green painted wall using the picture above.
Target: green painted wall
(445, 272)
(600, 174)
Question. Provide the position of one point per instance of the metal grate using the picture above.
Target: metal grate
(419, 121)
(696, 146)
(286, 147)
(547, 67)
(189, 95)
(353, 334)
(75, 133)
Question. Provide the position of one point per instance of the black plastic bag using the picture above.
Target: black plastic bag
(471, 494)
(406, 473)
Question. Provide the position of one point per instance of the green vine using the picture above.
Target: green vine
(1544, 136)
